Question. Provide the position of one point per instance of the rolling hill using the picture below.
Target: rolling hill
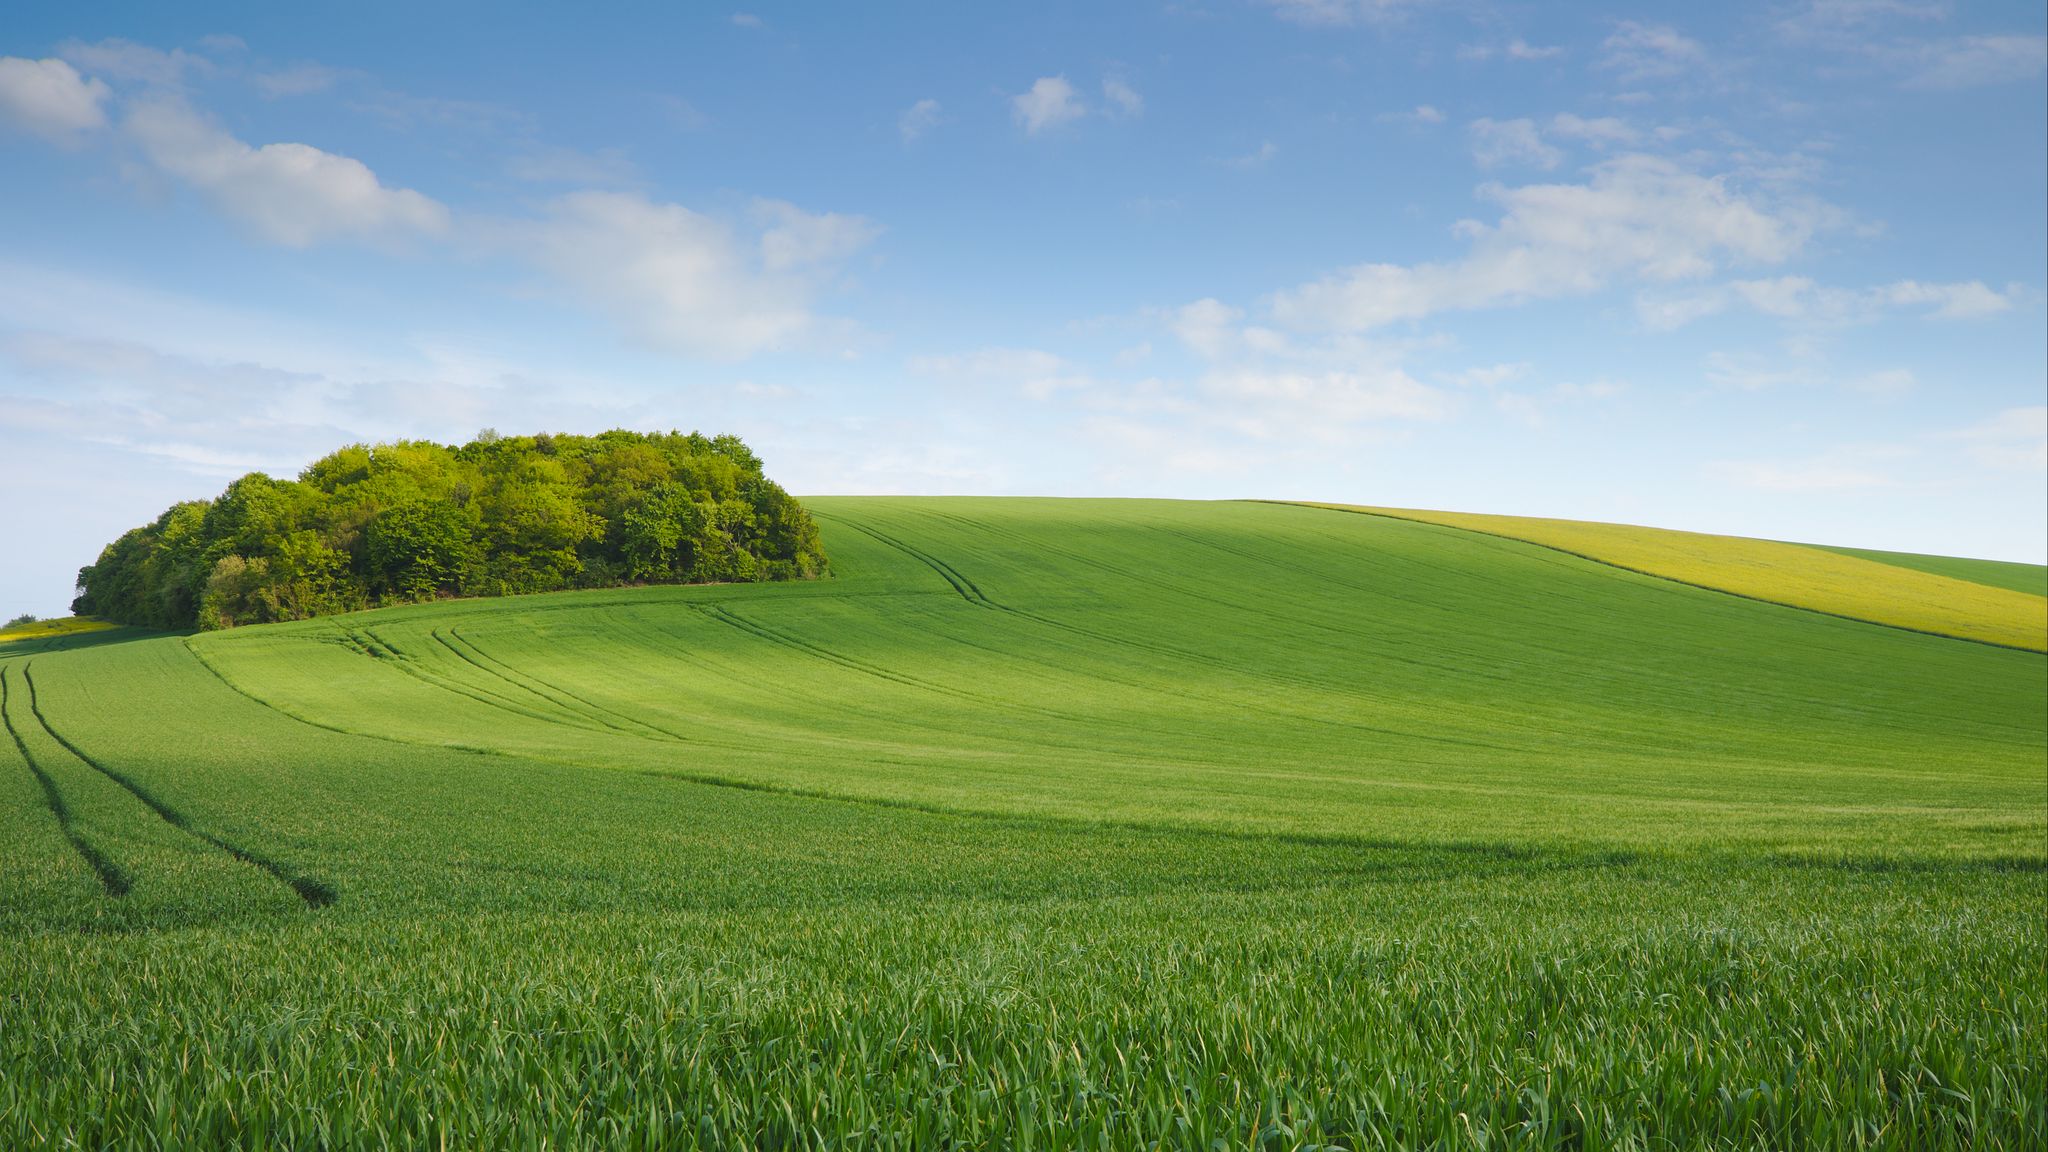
(1056, 821)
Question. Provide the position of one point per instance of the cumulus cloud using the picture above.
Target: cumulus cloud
(685, 282)
(293, 194)
(1639, 217)
(1050, 103)
(918, 119)
(50, 99)
(1496, 143)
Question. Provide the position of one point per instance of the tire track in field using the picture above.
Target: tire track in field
(591, 706)
(112, 879)
(754, 628)
(1348, 637)
(972, 593)
(315, 892)
(375, 647)
(1038, 742)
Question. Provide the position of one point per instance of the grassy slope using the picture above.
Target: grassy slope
(2030, 578)
(1424, 834)
(53, 629)
(1913, 597)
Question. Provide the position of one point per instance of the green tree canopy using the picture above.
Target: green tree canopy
(414, 520)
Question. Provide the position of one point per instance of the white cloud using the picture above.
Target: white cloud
(127, 60)
(1257, 157)
(1840, 470)
(1266, 404)
(1641, 51)
(1971, 61)
(1639, 216)
(1534, 408)
(1951, 301)
(1031, 371)
(293, 194)
(747, 20)
(1501, 142)
(796, 239)
(682, 281)
(50, 99)
(1339, 12)
(1886, 384)
(298, 80)
(1049, 103)
(1491, 376)
(1122, 98)
(1833, 15)
(1422, 114)
(1208, 326)
(1799, 298)
(1520, 49)
(2014, 440)
(570, 166)
(1516, 49)
(918, 119)
(1600, 131)
(681, 113)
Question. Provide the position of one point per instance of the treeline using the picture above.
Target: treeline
(415, 520)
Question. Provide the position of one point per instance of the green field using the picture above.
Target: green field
(1044, 824)
(2031, 578)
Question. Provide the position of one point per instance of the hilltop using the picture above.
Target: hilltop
(1070, 822)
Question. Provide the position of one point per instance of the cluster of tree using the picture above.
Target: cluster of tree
(415, 520)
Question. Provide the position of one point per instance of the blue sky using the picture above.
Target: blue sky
(1774, 270)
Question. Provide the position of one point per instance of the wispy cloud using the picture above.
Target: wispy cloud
(1422, 115)
(917, 120)
(1340, 12)
(1499, 143)
(1121, 98)
(1515, 49)
(1638, 51)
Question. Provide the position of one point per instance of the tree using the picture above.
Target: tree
(413, 520)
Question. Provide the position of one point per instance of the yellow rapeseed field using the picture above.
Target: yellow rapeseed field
(1790, 574)
(44, 629)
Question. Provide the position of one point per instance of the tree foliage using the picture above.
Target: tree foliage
(414, 520)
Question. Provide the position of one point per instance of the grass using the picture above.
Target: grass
(52, 629)
(1967, 599)
(2030, 578)
(1042, 824)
